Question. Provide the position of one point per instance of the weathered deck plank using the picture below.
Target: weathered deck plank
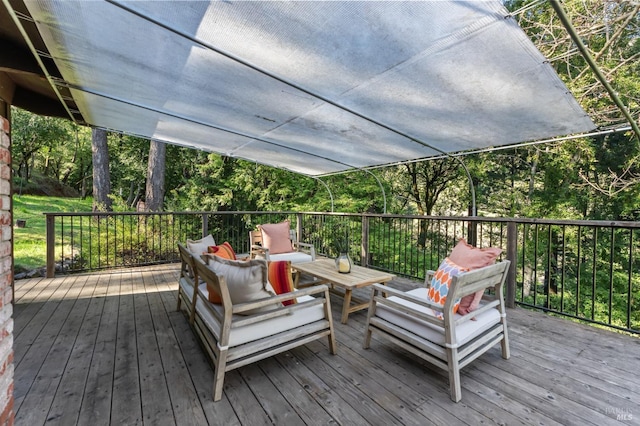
(184, 403)
(96, 403)
(309, 409)
(275, 405)
(66, 404)
(431, 384)
(154, 391)
(126, 401)
(39, 313)
(345, 388)
(36, 405)
(110, 349)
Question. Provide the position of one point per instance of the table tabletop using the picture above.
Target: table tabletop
(359, 276)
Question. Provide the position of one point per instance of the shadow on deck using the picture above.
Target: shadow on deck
(110, 349)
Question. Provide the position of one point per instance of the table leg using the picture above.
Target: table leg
(346, 304)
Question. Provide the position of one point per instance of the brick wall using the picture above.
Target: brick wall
(6, 279)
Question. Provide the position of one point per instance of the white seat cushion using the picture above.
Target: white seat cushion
(464, 332)
(188, 288)
(293, 257)
(251, 332)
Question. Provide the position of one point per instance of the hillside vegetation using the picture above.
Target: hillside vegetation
(30, 242)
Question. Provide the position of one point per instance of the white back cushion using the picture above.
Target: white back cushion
(247, 280)
(197, 247)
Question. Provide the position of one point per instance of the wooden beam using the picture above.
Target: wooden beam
(7, 90)
(16, 58)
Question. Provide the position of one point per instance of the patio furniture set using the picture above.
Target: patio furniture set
(245, 310)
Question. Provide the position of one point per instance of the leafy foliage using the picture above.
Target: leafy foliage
(611, 32)
(55, 147)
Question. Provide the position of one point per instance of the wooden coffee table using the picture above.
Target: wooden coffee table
(325, 271)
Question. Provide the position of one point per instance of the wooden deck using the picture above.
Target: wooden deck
(110, 348)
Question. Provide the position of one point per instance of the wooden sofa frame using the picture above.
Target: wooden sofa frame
(188, 279)
(444, 351)
(229, 318)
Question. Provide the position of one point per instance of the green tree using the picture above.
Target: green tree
(128, 161)
(32, 134)
(422, 183)
(101, 178)
(606, 168)
(154, 192)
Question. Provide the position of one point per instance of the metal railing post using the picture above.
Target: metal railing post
(472, 232)
(51, 241)
(205, 225)
(512, 254)
(299, 227)
(364, 247)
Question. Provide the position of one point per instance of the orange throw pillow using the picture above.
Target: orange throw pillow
(281, 279)
(214, 296)
(464, 254)
(224, 250)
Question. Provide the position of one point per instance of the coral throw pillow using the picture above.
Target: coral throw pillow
(223, 250)
(281, 279)
(464, 254)
(275, 237)
(441, 282)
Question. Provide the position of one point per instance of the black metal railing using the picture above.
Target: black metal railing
(585, 270)
(78, 242)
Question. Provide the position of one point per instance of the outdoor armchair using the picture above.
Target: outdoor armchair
(433, 331)
(278, 241)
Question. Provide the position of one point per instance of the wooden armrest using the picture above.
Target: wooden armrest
(310, 247)
(243, 307)
(282, 310)
(428, 277)
(255, 249)
(414, 313)
(276, 312)
(481, 309)
(409, 297)
(207, 305)
(406, 309)
(316, 289)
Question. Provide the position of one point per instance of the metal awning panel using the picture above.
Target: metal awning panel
(140, 121)
(313, 87)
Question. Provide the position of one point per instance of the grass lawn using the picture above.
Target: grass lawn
(29, 246)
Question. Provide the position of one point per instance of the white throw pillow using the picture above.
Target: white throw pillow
(247, 281)
(198, 247)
